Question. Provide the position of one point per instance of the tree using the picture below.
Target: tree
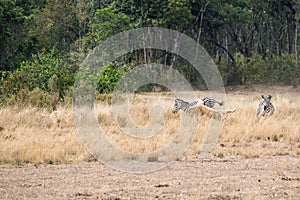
(56, 26)
(15, 16)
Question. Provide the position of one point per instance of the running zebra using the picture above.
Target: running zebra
(183, 105)
(198, 105)
(265, 107)
(210, 102)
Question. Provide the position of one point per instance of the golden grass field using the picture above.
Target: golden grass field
(29, 137)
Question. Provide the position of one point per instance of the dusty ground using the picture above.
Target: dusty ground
(276, 177)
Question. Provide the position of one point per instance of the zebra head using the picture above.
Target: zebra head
(265, 107)
(176, 107)
(180, 104)
(266, 101)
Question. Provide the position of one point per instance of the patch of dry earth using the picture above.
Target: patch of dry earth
(275, 177)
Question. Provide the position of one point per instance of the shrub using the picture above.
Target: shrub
(110, 77)
(39, 98)
(36, 74)
(275, 70)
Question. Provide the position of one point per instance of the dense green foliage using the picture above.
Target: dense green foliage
(37, 72)
(251, 41)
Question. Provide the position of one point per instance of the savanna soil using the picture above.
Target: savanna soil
(275, 177)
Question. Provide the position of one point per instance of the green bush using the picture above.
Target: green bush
(110, 77)
(275, 70)
(36, 74)
(36, 98)
(39, 98)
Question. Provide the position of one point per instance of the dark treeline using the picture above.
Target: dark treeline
(252, 41)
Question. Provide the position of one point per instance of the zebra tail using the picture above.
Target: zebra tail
(221, 103)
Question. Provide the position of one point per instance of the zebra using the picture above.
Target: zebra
(265, 107)
(198, 105)
(183, 105)
(210, 102)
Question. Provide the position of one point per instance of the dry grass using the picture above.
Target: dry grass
(276, 135)
(27, 137)
(282, 126)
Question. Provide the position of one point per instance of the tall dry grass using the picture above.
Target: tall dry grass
(279, 134)
(28, 137)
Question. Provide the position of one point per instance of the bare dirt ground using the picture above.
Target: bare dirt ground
(275, 177)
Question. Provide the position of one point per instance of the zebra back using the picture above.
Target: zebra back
(210, 102)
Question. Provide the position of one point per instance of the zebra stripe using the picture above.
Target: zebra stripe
(265, 107)
(210, 102)
(185, 106)
(181, 105)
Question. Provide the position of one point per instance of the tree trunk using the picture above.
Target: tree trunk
(201, 12)
(296, 41)
(268, 26)
(226, 48)
(260, 45)
(288, 38)
(279, 41)
(176, 49)
(272, 39)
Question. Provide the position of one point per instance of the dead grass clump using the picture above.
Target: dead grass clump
(31, 138)
(106, 119)
(34, 147)
(139, 114)
(104, 98)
